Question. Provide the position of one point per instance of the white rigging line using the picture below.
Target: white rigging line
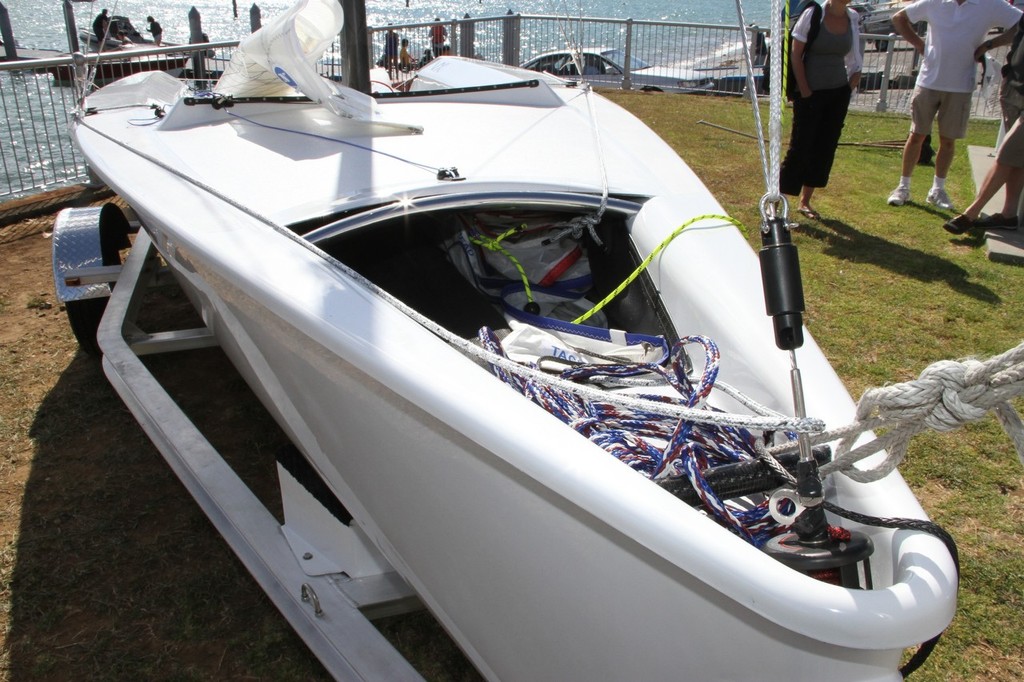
(752, 89)
(771, 158)
(573, 43)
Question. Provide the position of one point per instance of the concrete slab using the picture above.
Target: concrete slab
(1005, 246)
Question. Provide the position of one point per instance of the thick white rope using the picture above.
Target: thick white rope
(775, 106)
(947, 395)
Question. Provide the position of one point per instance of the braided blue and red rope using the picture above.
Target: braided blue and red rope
(652, 444)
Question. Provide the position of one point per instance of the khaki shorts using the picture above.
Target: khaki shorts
(1011, 149)
(953, 109)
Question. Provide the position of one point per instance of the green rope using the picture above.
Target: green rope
(785, 55)
(647, 261)
(494, 244)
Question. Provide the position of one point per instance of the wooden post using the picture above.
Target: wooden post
(70, 26)
(234, 8)
(467, 36)
(355, 47)
(627, 77)
(510, 47)
(195, 35)
(7, 33)
(255, 21)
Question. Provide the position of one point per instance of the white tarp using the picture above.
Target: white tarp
(281, 57)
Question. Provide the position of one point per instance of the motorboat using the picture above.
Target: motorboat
(100, 68)
(120, 32)
(119, 58)
(524, 360)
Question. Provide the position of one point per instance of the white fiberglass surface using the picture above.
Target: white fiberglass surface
(264, 285)
(289, 161)
(294, 286)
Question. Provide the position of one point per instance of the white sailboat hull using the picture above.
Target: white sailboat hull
(542, 555)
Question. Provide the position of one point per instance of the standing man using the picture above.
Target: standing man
(391, 53)
(438, 34)
(156, 30)
(99, 27)
(946, 80)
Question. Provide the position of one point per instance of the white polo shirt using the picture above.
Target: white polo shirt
(954, 32)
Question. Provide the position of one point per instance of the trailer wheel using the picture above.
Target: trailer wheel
(88, 237)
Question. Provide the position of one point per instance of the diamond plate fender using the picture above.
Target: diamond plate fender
(87, 238)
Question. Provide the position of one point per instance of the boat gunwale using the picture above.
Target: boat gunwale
(404, 207)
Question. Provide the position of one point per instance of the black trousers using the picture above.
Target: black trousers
(817, 124)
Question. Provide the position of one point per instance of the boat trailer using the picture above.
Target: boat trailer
(299, 563)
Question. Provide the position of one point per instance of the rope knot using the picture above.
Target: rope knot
(961, 390)
(946, 395)
(574, 228)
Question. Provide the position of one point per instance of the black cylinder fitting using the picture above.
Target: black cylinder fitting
(780, 278)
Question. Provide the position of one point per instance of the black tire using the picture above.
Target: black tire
(84, 317)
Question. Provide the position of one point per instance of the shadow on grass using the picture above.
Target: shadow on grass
(848, 243)
(119, 575)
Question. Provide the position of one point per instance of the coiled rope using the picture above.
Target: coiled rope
(650, 443)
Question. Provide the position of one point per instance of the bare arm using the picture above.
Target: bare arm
(902, 25)
(799, 69)
(1004, 38)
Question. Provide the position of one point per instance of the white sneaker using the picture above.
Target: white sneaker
(938, 197)
(899, 196)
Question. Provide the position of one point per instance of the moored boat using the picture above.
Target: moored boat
(104, 67)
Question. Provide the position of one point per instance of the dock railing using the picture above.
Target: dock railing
(38, 97)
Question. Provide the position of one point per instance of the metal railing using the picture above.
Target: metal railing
(37, 97)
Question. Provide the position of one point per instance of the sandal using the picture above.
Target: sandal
(958, 225)
(809, 212)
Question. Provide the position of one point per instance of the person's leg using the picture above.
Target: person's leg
(801, 150)
(954, 115)
(806, 192)
(1011, 153)
(911, 153)
(944, 157)
(924, 104)
(1014, 187)
(832, 118)
(995, 178)
(1007, 171)
(829, 115)
(998, 175)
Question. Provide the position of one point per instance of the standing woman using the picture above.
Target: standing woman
(827, 72)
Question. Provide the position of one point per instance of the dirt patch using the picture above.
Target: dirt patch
(109, 569)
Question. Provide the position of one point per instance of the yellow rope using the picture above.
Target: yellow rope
(647, 261)
(785, 55)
